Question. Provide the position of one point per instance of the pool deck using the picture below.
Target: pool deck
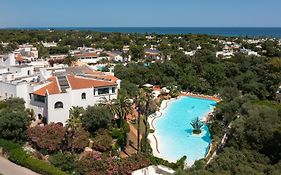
(153, 138)
(215, 98)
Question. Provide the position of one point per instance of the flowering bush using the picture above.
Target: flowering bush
(49, 137)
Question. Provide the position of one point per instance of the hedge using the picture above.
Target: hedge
(20, 157)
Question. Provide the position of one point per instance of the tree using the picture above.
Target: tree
(14, 119)
(137, 52)
(96, 117)
(197, 125)
(75, 115)
(140, 105)
(69, 60)
(49, 137)
(77, 139)
(102, 141)
(14, 124)
(122, 106)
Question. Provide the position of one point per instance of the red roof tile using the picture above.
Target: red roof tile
(77, 82)
(51, 88)
(87, 55)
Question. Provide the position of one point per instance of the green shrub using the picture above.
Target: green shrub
(19, 156)
(103, 141)
(8, 146)
(151, 131)
(42, 167)
(158, 161)
(179, 165)
(65, 161)
(180, 162)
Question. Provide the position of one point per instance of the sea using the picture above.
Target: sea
(253, 32)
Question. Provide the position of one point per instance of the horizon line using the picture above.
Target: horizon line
(29, 27)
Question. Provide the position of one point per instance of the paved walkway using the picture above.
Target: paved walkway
(9, 168)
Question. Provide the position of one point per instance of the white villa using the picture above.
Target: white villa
(249, 52)
(51, 44)
(117, 56)
(51, 92)
(26, 52)
(225, 53)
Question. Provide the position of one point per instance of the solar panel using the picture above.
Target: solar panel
(63, 83)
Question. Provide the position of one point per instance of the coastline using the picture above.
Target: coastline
(153, 136)
(253, 32)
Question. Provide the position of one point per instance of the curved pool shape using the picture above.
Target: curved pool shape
(174, 132)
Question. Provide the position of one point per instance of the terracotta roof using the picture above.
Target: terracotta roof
(51, 88)
(18, 57)
(151, 52)
(114, 53)
(77, 82)
(87, 55)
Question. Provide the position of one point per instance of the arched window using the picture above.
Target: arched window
(58, 105)
(83, 96)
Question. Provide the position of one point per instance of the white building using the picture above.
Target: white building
(51, 92)
(55, 98)
(52, 44)
(57, 57)
(26, 52)
(191, 53)
(249, 52)
(15, 79)
(89, 57)
(225, 54)
(154, 170)
(117, 56)
(152, 54)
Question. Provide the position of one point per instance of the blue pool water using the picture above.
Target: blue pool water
(174, 132)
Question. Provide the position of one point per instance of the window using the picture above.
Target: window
(39, 98)
(58, 105)
(83, 96)
(113, 90)
(28, 72)
(103, 91)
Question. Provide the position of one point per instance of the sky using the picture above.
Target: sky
(140, 13)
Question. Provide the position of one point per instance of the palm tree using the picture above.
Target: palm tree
(140, 106)
(196, 124)
(147, 111)
(120, 107)
(74, 121)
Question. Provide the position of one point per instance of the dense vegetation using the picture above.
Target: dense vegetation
(15, 119)
(248, 115)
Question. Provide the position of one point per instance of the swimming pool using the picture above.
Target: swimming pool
(174, 132)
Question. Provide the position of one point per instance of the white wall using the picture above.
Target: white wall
(73, 98)
(22, 71)
(20, 90)
(58, 115)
